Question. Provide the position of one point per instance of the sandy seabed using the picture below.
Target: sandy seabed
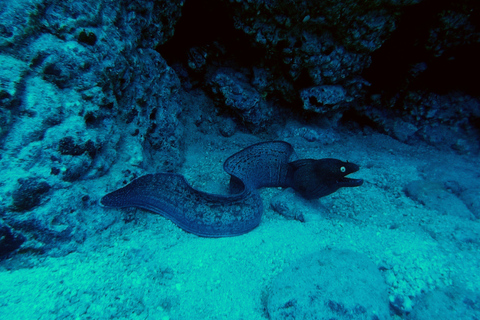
(148, 268)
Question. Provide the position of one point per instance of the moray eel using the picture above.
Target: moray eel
(265, 164)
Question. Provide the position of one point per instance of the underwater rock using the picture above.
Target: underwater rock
(71, 74)
(293, 207)
(232, 91)
(67, 146)
(9, 240)
(402, 130)
(471, 198)
(309, 132)
(284, 205)
(329, 284)
(323, 99)
(434, 195)
(444, 119)
(5, 120)
(447, 303)
(87, 37)
(75, 167)
(29, 193)
(17, 19)
(326, 42)
(401, 305)
(227, 127)
(153, 107)
(11, 74)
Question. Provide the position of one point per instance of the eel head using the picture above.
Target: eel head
(314, 179)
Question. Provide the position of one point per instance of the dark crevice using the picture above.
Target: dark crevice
(391, 68)
(354, 117)
(207, 23)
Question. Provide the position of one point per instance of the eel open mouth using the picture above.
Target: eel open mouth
(350, 182)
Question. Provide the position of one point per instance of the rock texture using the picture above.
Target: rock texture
(447, 303)
(329, 284)
(401, 67)
(78, 80)
(317, 43)
(95, 87)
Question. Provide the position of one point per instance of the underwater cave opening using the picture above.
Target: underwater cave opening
(407, 60)
(209, 23)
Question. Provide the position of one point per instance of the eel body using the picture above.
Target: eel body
(265, 164)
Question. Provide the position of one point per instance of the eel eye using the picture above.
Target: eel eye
(342, 169)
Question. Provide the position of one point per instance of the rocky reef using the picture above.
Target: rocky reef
(96, 93)
(95, 87)
(79, 81)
